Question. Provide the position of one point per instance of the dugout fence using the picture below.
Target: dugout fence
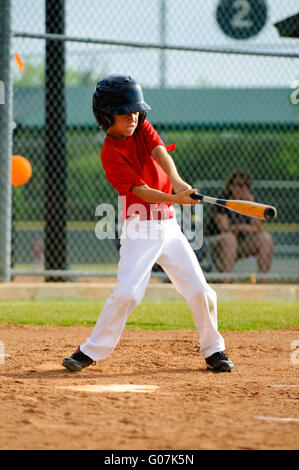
(226, 102)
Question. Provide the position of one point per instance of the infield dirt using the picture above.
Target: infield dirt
(191, 408)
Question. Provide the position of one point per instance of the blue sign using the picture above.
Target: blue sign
(241, 19)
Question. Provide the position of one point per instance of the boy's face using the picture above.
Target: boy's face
(124, 125)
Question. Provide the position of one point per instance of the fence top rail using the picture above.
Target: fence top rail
(148, 45)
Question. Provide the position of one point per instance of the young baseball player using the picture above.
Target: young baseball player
(138, 166)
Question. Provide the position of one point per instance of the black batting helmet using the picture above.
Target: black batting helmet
(118, 94)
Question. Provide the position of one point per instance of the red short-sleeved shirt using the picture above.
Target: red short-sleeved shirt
(129, 163)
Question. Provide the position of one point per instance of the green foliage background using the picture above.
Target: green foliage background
(199, 155)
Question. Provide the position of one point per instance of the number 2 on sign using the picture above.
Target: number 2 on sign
(239, 19)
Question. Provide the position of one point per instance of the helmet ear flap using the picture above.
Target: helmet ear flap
(104, 120)
(141, 118)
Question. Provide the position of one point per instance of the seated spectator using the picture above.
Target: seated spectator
(232, 236)
(37, 253)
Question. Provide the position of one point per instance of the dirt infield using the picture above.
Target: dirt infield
(254, 407)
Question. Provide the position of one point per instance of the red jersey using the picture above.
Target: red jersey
(129, 163)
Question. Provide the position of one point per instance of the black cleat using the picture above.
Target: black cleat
(219, 362)
(77, 361)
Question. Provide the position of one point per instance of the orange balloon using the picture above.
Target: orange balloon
(21, 170)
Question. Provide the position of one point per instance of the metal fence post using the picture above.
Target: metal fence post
(55, 143)
(6, 115)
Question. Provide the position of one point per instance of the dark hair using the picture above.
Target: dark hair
(106, 120)
(239, 173)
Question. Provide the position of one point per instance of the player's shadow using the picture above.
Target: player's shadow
(97, 373)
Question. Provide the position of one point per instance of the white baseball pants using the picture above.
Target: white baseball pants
(144, 243)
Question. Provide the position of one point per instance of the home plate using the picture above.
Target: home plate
(113, 388)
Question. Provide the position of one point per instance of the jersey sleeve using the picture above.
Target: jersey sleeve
(121, 175)
(151, 136)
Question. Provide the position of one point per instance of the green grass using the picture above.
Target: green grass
(166, 315)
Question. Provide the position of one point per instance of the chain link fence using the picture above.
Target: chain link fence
(222, 80)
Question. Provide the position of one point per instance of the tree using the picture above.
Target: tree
(35, 76)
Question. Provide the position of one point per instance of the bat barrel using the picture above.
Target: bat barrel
(249, 208)
(270, 213)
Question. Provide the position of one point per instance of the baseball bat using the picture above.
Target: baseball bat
(249, 208)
